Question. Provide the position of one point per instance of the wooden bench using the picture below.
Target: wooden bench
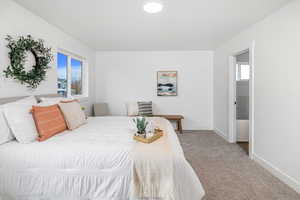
(176, 118)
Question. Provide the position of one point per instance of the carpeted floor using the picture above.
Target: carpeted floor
(227, 173)
(244, 146)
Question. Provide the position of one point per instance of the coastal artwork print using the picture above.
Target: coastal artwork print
(167, 83)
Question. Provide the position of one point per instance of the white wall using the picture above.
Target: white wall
(244, 57)
(17, 21)
(131, 76)
(277, 90)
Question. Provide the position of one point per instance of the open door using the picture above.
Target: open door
(241, 93)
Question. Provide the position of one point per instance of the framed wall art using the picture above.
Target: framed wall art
(167, 83)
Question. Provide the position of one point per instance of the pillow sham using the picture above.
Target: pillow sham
(132, 108)
(49, 121)
(145, 108)
(53, 100)
(27, 100)
(5, 133)
(73, 114)
(20, 121)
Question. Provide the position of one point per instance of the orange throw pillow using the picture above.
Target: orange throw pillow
(49, 121)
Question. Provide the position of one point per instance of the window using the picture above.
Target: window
(70, 78)
(62, 67)
(242, 71)
(76, 84)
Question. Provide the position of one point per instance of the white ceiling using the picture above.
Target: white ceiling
(123, 25)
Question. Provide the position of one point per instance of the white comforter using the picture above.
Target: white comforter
(92, 162)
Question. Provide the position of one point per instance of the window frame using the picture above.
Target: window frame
(84, 73)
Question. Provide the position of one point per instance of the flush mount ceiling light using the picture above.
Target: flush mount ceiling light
(153, 6)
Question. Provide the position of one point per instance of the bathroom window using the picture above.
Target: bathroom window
(242, 71)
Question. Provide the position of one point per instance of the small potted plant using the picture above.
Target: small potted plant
(141, 125)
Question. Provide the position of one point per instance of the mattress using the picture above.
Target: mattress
(92, 162)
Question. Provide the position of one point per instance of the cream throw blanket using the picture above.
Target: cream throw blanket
(153, 168)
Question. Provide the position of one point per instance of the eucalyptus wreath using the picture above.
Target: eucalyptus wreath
(17, 56)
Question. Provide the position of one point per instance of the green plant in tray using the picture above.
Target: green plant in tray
(141, 125)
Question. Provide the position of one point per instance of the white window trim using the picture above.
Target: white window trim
(85, 75)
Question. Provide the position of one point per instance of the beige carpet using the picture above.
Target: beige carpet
(227, 173)
(244, 146)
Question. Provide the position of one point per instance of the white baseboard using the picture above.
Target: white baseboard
(242, 139)
(278, 173)
(220, 133)
(197, 129)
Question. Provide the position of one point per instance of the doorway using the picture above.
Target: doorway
(241, 100)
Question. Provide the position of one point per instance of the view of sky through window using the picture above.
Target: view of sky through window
(75, 68)
(76, 85)
(62, 66)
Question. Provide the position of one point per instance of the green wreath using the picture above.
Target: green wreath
(17, 55)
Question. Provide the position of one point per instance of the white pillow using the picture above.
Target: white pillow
(20, 120)
(132, 108)
(48, 101)
(5, 133)
(73, 114)
(27, 100)
(45, 104)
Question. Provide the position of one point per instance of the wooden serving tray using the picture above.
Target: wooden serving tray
(149, 140)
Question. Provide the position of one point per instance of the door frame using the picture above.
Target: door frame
(232, 97)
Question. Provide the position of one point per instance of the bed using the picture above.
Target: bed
(93, 162)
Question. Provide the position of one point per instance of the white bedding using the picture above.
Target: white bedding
(92, 162)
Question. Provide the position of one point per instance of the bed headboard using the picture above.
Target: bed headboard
(12, 99)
